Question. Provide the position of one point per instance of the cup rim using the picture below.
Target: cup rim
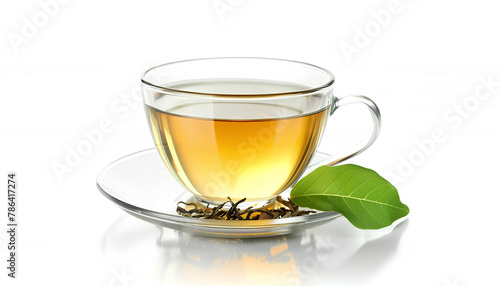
(327, 84)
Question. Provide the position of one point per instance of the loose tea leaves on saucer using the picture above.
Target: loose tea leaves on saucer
(288, 209)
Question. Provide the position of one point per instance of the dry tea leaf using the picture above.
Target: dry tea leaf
(234, 213)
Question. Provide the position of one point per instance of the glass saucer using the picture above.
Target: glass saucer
(141, 185)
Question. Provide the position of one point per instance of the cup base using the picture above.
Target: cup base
(255, 204)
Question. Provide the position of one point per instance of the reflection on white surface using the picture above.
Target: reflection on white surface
(334, 253)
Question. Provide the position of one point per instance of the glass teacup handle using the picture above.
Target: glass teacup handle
(376, 120)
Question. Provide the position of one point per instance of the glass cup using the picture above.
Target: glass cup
(242, 127)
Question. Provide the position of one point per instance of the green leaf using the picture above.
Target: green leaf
(366, 199)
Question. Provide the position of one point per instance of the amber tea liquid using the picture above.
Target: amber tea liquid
(250, 150)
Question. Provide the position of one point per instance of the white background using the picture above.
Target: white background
(422, 61)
